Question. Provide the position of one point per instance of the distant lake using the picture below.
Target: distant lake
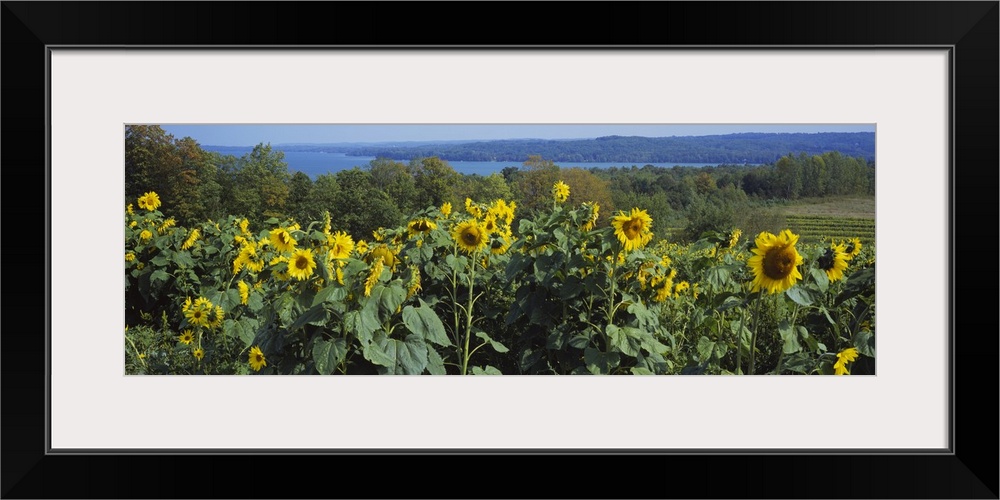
(313, 163)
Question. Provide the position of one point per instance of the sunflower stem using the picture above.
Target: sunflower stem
(739, 344)
(612, 307)
(468, 315)
(756, 327)
(454, 294)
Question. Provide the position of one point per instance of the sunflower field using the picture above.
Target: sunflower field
(476, 290)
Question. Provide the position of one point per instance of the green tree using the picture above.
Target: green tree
(299, 196)
(360, 207)
(789, 177)
(587, 187)
(434, 180)
(152, 163)
(534, 183)
(324, 195)
(258, 184)
(394, 178)
(484, 189)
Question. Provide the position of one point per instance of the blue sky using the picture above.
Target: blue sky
(250, 135)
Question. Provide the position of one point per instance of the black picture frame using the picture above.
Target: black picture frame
(970, 28)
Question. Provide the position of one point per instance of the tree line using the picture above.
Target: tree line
(757, 148)
(197, 185)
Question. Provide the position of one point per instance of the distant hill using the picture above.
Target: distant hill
(731, 148)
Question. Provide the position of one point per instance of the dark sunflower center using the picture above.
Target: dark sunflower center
(301, 262)
(633, 228)
(422, 226)
(197, 315)
(850, 248)
(779, 262)
(470, 237)
(826, 261)
(260, 358)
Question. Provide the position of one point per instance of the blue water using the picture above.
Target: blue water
(313, 164)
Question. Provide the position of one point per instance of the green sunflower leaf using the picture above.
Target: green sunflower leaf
(864, 341)
(315, 315)
(407, 357)
(425, 323)
(789, 337)
(799, 295)
(435, 365)
(332, 293)
(600, 363)
(822, 280)
(328, 354)
(489, 370)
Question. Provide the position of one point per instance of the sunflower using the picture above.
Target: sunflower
(633, 230)
(129, 209)
(414, 285)
(257, 360)
(244, 292)
(149, 201)
(202, 303)
(681, 288)
(775, 262)
(282, 240)
(193, 237)
(833, 261)
(373, 276)
(490, 224)
(473, 209)
(446, 209)
(502, 211)
(129, 257)
(734, 237)
(248, 258)
(198, 353)
(852, 248)
(843, 357)
(361, 248)
(341, 245)
(301, 264)
(420, 226)
(145, 235)
(500, 243)
(385, 254)
(197, 317)
(560, 191)
(594, 208)
(186, 337)
(470, 236)
(167, 224)
(663, 293)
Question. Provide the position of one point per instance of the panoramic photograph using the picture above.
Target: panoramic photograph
(484, 249)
